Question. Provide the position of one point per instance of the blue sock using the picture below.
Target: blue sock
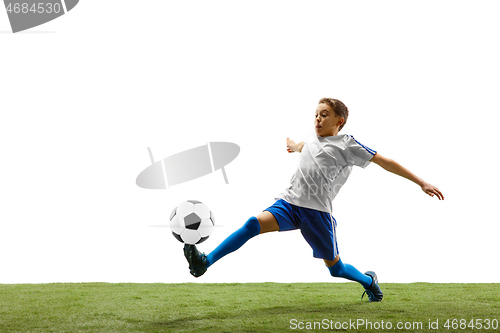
(232, 243)
(349, 272)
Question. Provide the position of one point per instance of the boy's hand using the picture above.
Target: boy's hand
(432, 190)
(291, 146)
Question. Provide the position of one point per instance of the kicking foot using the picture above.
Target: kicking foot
(374, 293)
(197, 260)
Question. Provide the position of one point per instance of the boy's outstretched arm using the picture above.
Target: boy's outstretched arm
(398, 169)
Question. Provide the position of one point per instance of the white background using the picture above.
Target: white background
(83, 96)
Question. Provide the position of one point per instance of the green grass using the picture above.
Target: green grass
(249, 307)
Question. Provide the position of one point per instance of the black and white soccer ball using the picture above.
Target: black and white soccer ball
(192, 222)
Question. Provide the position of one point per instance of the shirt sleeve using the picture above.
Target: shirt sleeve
(358, 154)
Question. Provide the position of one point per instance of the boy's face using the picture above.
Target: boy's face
(326, 122)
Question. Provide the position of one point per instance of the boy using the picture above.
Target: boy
(324, 165)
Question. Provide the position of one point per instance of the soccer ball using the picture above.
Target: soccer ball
(192, 222)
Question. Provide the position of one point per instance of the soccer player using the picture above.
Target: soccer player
(325, 163)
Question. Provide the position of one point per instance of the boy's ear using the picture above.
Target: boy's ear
(340, 122)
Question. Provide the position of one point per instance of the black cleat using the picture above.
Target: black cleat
(197, 260)
(374, 293)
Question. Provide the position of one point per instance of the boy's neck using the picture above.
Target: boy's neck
(335, 132)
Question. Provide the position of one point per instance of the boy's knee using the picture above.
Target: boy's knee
(253, 226)
(337, 270)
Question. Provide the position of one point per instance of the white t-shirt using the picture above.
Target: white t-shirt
(324, 165)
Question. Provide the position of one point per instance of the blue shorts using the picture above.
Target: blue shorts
(316, 227)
